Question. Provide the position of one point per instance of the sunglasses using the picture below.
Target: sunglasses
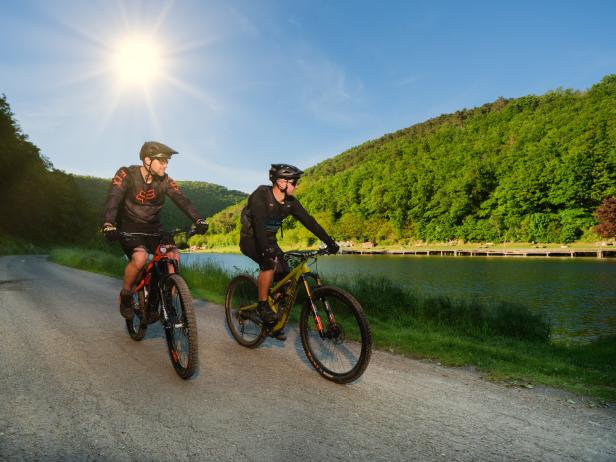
(294, 181)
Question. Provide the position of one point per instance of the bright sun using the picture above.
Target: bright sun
(137, 62)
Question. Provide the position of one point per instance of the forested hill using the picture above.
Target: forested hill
(42, 205)
(526, 169)
(37, 202)
(206, 197)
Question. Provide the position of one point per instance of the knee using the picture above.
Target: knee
(139, 258)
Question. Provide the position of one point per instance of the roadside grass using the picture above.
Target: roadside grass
(207, 280)
(506, 341)
(94, 260)
(10, 245)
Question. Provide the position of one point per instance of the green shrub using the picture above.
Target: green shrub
(386, 300)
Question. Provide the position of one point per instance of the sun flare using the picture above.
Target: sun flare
(137, 62)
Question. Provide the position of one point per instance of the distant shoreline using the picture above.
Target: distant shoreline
(481, 250)
(610, 253)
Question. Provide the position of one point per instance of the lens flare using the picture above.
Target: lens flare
(137, 62)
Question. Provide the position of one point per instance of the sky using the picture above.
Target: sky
(237, 85)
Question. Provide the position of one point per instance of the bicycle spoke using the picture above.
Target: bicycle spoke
(137, 326)
(242, 321)
(340, 349)
(180, 327)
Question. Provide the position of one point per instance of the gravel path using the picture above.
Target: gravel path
(74, 386)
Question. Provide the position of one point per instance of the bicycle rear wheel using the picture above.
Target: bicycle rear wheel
(180, 326)
(137, 326)
(340, 351)
(245, 326)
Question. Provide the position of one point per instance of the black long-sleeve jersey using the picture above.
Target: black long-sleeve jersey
(135, 206)
(263, 216)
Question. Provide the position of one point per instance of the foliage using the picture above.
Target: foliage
(606, 215)
(39, 203)
(97, 261)
(384, 299)
(45, 205)
(207, 279)
(516, 170)
(10, 245)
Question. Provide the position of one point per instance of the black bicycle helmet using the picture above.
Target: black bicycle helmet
(156, 150)
(286, 171)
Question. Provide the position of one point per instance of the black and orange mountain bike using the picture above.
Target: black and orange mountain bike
(333, 328)
(163, 295)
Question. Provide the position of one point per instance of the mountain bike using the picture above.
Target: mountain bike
(334, 330)
(162, 295)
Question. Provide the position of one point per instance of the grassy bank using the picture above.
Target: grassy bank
(505, 341)
(13, 246)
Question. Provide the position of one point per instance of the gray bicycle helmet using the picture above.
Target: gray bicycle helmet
(156, 150)
(285, 171)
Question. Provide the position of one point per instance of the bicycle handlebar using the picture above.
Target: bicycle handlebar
(306, 253)
(189, 233)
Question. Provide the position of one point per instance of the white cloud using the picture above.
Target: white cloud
(406, 81)
(328, 92)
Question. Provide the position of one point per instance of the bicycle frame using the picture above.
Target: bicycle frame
(157, 267)
(294, 277)
(161, 294)
(337, 345)
(159, 263)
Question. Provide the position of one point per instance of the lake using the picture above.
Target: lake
(578, 295)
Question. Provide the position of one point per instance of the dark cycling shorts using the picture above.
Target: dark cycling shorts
(249, 248)
(129, 244)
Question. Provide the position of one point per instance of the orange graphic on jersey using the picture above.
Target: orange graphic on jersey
(117, 180)
(145, 195)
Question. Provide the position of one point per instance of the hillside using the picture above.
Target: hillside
(527, 169)
(43, 206)
(38, 201)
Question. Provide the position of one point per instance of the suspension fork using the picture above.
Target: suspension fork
(315, 314)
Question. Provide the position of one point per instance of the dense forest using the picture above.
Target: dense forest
(530, 169)
(45, 206)
(39, 203)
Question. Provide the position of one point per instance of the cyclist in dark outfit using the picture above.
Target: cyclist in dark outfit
(136, 196)
(267, 207)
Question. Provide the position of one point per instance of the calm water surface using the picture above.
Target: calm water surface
(577, 295)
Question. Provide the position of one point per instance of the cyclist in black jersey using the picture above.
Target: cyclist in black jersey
(136, 196)
(267, 207)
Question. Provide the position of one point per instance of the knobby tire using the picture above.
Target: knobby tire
(246, 329)
(137, 326)
(181, 328)
(343, 355)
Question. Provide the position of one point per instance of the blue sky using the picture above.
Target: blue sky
(247, 83)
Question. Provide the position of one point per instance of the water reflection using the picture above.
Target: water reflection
(577, 295)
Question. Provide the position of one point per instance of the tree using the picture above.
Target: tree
(606, 215)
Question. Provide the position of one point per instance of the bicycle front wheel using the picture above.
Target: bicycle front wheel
(137, 326)
(335, 335)
(244, 325)
(180, 326)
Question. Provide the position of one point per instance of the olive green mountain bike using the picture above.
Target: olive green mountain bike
(333, 327)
